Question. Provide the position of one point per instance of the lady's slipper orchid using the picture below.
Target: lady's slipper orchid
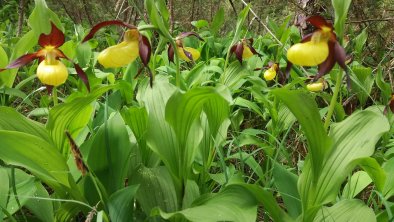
(270, 73)
(186, 53)
(320, 48)
(134, 45)
(51, 71)
(244, 49)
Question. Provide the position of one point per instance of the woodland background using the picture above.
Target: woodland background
(375, 15)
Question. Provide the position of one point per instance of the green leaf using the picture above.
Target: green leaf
(239, 101)
(11, 120)
(362, 83)
(217, 21)
(84, 52)
(354, 139)
(25, 188)
(41, 17)
(383, 86)
(121, 204)
(286, 182)
(200, 23)
(4, 189)
(109, 153)
(42, 209)
(341, 8)
(234, 76)
(66, 117)
(155, 17)
(36, 155)
(233, 203)
(156, 189)
(305, 110)
(182, 112)
(18, 93)
(388, 190)
(359, 42)
(3, 63)
(346, 211)
(358, 182)
(240, 21)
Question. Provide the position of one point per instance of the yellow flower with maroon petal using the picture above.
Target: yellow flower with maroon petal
(51, 71)
(320, 48)
(187, 54)
(244, 49)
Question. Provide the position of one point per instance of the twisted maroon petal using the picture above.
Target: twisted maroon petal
(144, 49)
(104, 24)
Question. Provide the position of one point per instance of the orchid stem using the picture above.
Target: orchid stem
(54, 96)
(177, 64)
(333, 102)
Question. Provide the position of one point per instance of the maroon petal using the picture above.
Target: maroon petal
(253, 50)
(233, 48)
(2, 70)
(144, 49)
(288, 69)
(82, 75)
(239, 51)
(340, 55)
(188, 54)
(23, 60)
(318, 21)
(170, 53)
(329, 63)
(104, 24)
(187, 34)
(307, 38)
(55, 38)
(391, 104)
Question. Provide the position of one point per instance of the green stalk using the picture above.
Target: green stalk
(177, 64)
(333, 100)
(13, 184)
(54, 96)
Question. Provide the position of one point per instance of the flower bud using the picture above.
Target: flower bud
(194, 53)
(316, 86)
(52, 73)
(308, 53)
(270, 73)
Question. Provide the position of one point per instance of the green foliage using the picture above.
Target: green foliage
(209, 140)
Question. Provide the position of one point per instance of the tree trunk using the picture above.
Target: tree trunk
(21, 13)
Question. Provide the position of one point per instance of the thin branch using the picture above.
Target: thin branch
(264, 25)
(372, 20)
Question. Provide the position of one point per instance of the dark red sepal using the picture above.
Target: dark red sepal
(288, 69)
(187, 34)
(391, 104)
(328, 64)
(144, 49)
(170, 53)
(253, 50)
(23, 60)
(2, 70)
(104, 24)
(239, 51)
(49, 89)
(340, 55)
(55, 38)
(188, 54)
(318, 21)
(82, 75)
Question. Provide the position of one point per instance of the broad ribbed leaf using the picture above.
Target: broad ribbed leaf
(346, 211)
(354, 139)
(41, 17)
(4, 189)
(156, 189)
(305, 110)
(234, 76)
(341, 8)
(121, 204)
(286, 182)
(234, 203)
(72, 116)
(42, 209)
(109, 154)
(11, 120)
(36, 155)
(183, 113)
(25, 188)
(359, 181)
